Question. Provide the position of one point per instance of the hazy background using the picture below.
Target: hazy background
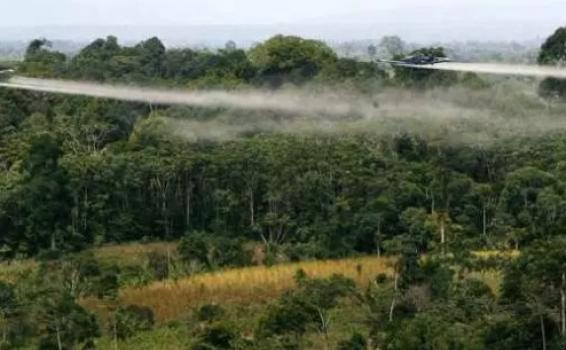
(213, 22)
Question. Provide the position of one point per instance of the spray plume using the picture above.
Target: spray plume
(457, 114)
(249, 100)
(499, 69)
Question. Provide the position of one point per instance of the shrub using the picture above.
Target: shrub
(289, 315)
(106, 285)
(194, 248)
(230, 253)
(135, 276)
(13, 328)
(307, 305)
(7, 300)
(158, 264)
(356, 342)
(61, 320)
(381, 278)
(473, 298)
(49, 255)
(130, 320)
(305, 251)
(217, 337)
(210, 313)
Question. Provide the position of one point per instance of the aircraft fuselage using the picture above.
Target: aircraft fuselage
(418, 60)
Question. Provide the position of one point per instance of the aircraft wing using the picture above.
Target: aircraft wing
(399, 63)
(413, 64)
(391, 62)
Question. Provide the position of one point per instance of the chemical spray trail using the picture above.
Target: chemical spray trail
(250, 100)
(499, 69)
(508, 110)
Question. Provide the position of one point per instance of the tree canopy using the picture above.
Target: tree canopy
(553, 52)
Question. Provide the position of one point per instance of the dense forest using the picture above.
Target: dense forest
(78, 173)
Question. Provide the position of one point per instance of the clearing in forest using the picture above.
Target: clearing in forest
(170, 300)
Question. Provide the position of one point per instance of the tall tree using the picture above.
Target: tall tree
(291, 58)
(553, 52)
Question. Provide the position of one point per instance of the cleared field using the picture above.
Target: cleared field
(132, 253)
(121, 255)
(171, 300)
(11, 271)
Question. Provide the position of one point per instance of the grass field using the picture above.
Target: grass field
(505, 254)
(173, 299)
(132, 253)
(11, 271)
(162, 338)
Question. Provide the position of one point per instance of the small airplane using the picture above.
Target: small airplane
(418, 60)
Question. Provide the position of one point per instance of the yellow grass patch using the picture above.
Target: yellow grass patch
(171, 300)
(486, 254)
(11, 271)
(132, 253)
(122, 255)
(492, 278)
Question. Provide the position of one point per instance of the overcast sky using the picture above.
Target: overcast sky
(337, 20)
(198, 12)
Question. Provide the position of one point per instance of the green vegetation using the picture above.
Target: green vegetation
(120, 234)
(554, 53)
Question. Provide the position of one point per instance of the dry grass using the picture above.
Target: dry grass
(10, 272)
(486, 254)
(171, 300)
(122, 255)
(132, 253)
(492, 278)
